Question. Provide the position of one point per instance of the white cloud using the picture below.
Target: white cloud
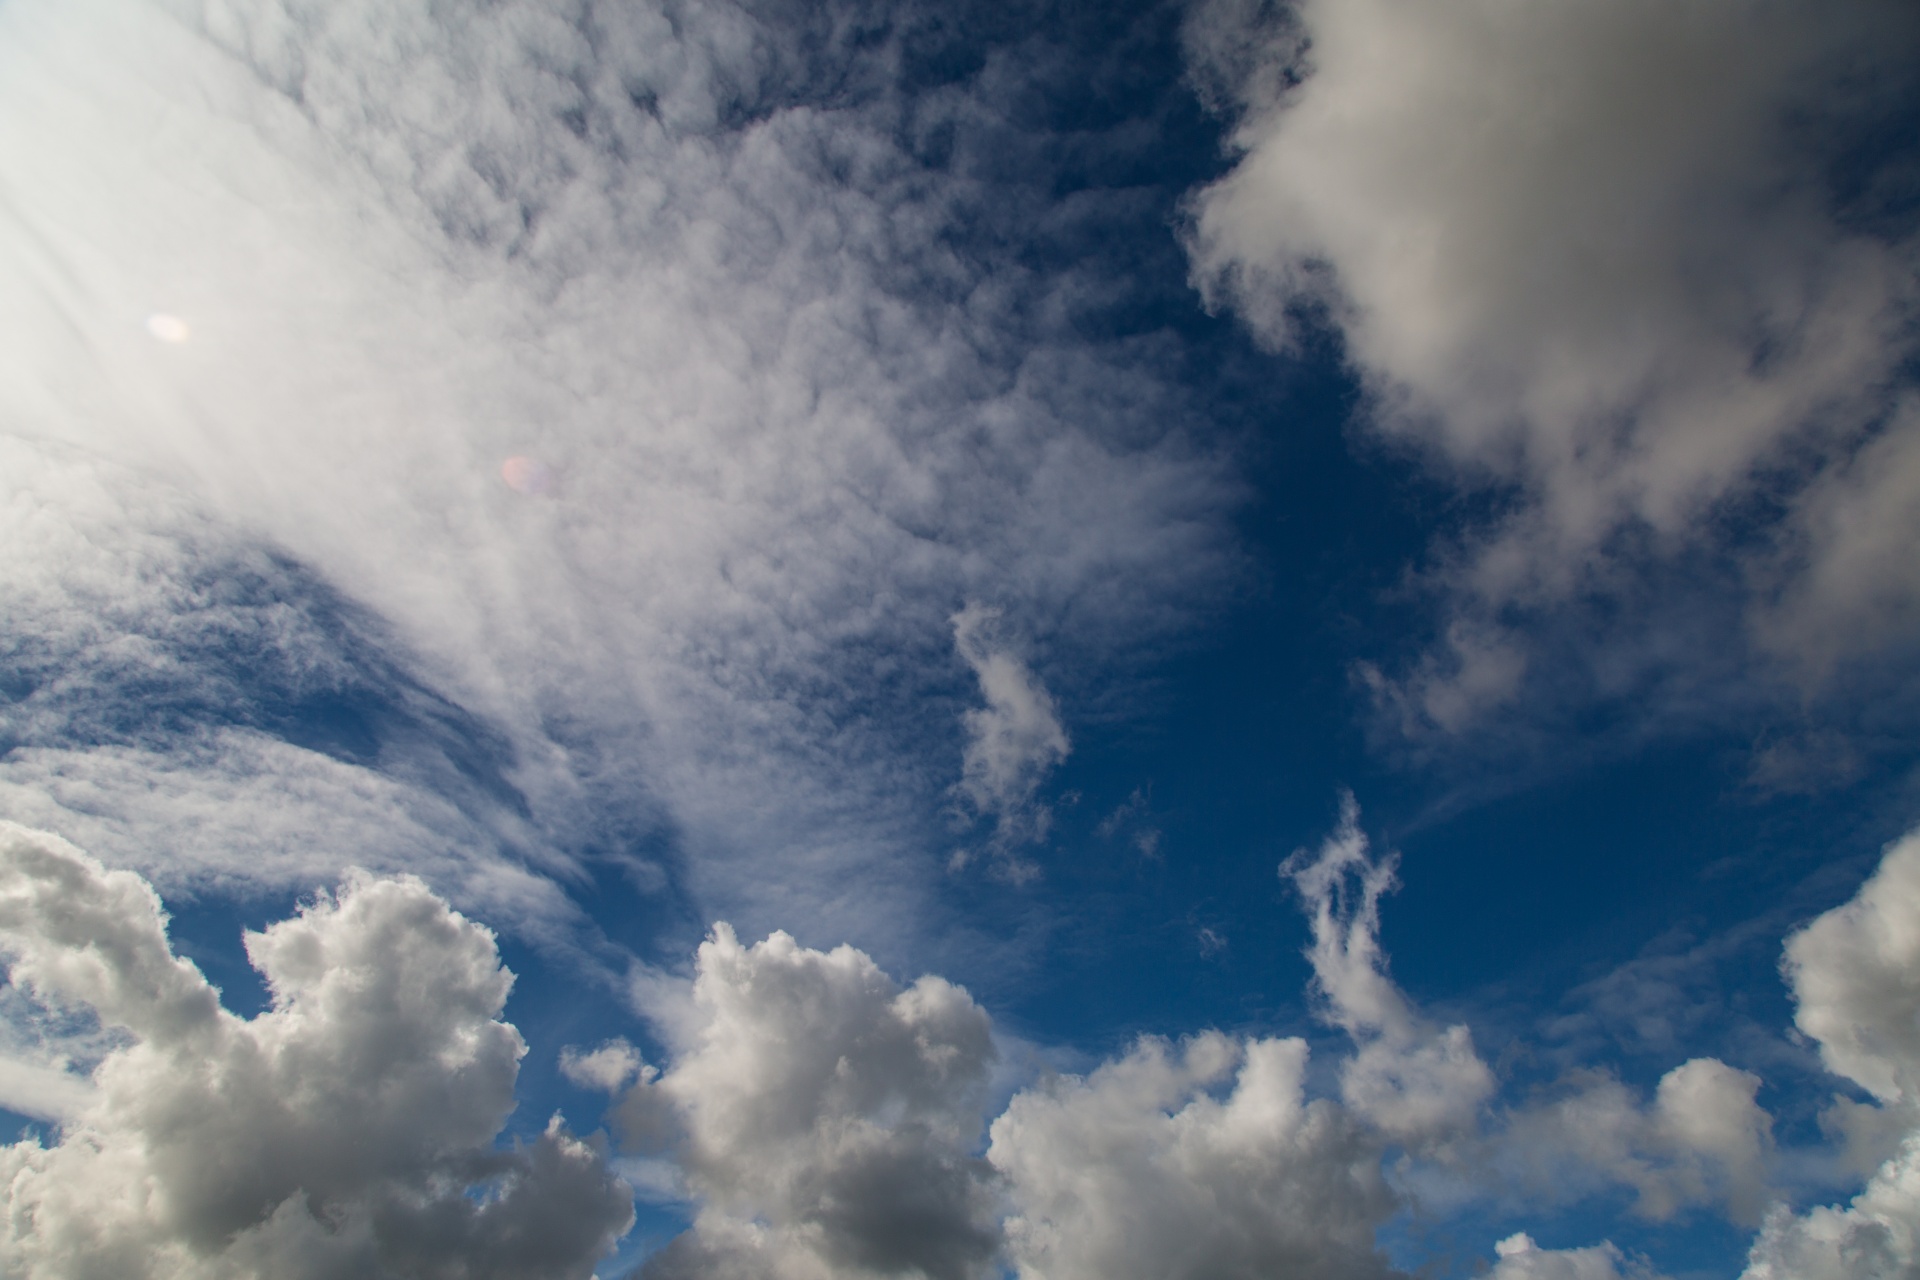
(786, 425)
(1414, 1081)
(1521, 1259)
(1013, 742)
(1853, 972)
(1587, 251)
(608, 1068)
(824, 1118)
(1703, 1140)
(1139, 1170)
(1877, 1234)
(348, 1130)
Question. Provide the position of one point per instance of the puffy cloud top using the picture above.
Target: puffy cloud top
(827, 1118)
(1139, 1170)
(348, 1130)
(1855, 972)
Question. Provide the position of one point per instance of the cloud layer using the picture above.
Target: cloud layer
(700, 265)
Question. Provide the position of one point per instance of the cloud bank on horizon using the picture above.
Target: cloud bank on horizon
(825, 1120)
(596, 469)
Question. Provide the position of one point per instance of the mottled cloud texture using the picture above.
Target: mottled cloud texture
(463, 460)
(590, 413)
(1593, 258)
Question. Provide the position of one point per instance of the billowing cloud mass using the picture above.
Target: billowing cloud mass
(1596, 256)
(825, 1122)
(349, 1130)
(1139, 1170)
(825, 1117)
(1855, 973)
(728, 293)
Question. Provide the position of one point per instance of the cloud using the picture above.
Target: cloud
(1414, 1081)
(1139, 1170)
(1852, 971)
(1521, 1259)
(791, 400)
(607, 1068)
(824, 1118)
(1855, 974)
(348, 1130)
(1703, 1140)
(1595, 260)
(1013, 742)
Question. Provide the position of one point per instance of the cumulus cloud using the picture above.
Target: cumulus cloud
(1703, 1140)
(1140, 1170)
(1594, 256)
(1416, 1082)
(1015, 740)
(607, 1068)
(348, 1130)
(824, 1118)
(1853, 974)
(1521, 1259)
(690, 260)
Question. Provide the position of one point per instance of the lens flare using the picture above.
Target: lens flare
(168, 328)
(526, 475)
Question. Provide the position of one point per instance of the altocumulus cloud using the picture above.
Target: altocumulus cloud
(348, 1130)
(1593, 258)
(686, 258)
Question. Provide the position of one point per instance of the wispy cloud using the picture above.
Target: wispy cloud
(689, 263)
(1014, 741)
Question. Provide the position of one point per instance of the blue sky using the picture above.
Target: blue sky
(1209, 640)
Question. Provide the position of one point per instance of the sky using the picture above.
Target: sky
(1050, 641)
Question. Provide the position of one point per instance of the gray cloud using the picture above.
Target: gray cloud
(1139, 1170)
(1591, 257)
(348, 1130)
(825, 1119)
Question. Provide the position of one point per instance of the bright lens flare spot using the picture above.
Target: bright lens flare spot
(168, 328)
(526, 475)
